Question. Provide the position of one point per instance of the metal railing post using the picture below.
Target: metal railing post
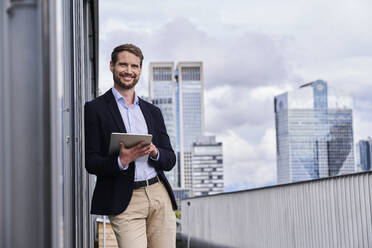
(188, 224)
(104, 231)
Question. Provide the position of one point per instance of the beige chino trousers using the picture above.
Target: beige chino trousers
(148, 221)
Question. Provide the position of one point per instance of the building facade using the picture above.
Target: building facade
(179, 93)
(207, 166)
(364, 155)
(162, 94)
(314, 133)
(190, 109)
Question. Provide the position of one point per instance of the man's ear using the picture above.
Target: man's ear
(111, 67)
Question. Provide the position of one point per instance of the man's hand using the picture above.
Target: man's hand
(127, 155)
(153, 151)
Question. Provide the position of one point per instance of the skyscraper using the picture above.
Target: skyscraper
(314, 133)
(162, 94)
(364, 155)
(180, 96)
(190, 113)
(207, 166)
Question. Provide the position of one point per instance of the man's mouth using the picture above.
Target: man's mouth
(127, 77)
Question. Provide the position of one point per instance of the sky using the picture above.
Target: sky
(251, 51)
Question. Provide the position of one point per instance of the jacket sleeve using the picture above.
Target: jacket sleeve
(95, 160)
(167, 158)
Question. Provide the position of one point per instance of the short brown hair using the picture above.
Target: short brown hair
(126, 47)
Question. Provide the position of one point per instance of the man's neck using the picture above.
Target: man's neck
(128, 95)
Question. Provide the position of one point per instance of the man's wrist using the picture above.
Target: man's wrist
(121, 166)
(155, 158)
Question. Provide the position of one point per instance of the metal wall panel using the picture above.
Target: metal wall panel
(4, 136)
(22, 135)
(332, 212)
(44, 188)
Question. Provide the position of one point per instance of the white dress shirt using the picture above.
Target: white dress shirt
(134, 123)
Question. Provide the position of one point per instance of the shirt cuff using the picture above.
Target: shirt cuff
(157, 157)
(121, 167)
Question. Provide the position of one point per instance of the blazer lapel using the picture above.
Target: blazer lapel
(146, 113)
(113, 108)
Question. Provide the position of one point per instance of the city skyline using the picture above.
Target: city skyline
(248, 60)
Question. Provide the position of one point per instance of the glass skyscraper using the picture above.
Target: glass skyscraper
(191, 95)
(190, 109)
(162, 94)
(314, 133)
(179, 93)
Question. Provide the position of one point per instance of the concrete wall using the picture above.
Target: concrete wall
(332, 212)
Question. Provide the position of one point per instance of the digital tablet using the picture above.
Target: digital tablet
(129, 140)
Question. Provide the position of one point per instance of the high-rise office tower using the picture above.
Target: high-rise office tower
(162, 94)
(207, 166)
(190, 113)
(364, 155)
(314, 133)
(180, 95)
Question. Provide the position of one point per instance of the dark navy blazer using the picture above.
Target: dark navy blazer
(114, 187)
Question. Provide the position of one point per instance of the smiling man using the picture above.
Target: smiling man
(134, 194)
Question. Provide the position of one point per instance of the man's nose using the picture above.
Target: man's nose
(128, 69)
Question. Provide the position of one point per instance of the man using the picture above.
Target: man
(135, 195)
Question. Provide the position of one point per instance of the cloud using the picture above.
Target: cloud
(247, 164)
(229, 107)
(248, 60)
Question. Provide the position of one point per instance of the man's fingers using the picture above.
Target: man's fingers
(139, 150)
(136, 151)
(141, 146)
(144, 150)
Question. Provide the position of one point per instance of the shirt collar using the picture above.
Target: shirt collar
(119, 97)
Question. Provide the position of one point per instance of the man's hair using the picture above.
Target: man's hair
(126, 47)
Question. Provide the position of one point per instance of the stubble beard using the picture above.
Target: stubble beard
(122, 85)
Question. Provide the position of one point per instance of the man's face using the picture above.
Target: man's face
(127, 70)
